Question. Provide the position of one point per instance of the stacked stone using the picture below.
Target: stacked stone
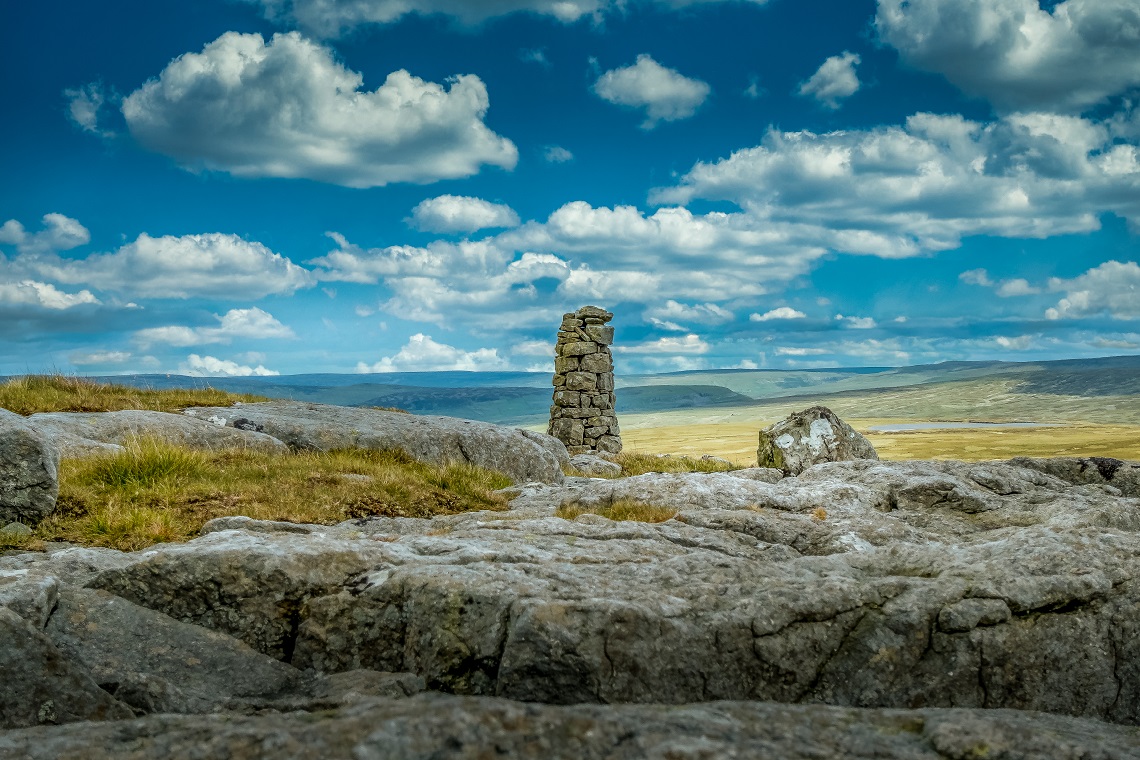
(582, 416)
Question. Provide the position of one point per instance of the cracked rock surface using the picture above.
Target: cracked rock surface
(862, 595)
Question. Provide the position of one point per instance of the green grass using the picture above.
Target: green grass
(155, 492)
(30, 394)
(621, 510)
(640, 463)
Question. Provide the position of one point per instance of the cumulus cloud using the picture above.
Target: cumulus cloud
(1018, 343)
(1018, 286)
(1112, 288)
(209, 366)
(834, 81)
(330, 18)
(799, 351)
(287, 108)
(701, 313)
(1018, 54)
(236, 323)
(856, 323)
(533, 348)
(976, 277)
(665, 94)
(59, 233)
(84, 105)
(211, 265)
(782, 312)
(422, 354)
(100, 357)
(556, 154)
(903, 191)
(461, 213)
(690, 344)
(42, 294)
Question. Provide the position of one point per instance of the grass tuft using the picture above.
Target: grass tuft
(158, 492)
(31, 394)
(621, 510)
(636, 463)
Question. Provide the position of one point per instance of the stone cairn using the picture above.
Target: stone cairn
(582, 416)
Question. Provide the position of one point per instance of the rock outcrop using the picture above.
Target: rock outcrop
(29, 472)
(809, 437)
(520, 454)
(1117, 473)
(82, 434)
(582, 413)
(446, 728)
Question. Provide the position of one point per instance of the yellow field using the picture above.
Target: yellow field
(737, 441)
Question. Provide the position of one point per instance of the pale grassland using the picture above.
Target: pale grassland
(621, 510)
(30, 394)
(155, 492)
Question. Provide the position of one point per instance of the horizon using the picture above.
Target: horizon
(258, 188)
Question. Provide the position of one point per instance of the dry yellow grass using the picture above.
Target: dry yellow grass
(30, 394)
(737, 441)
(621, 510)
(155, 492)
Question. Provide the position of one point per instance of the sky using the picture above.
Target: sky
(254, 187)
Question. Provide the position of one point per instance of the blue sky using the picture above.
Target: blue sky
(232, 187)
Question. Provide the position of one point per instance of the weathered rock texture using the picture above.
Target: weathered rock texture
(897, 587)
(443, 727)
(809, 437)
(582, 415)
(520, 454)
(82, 434)
(29, 472)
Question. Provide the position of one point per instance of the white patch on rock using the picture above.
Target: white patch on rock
(219, 421)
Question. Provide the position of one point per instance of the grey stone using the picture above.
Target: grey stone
(29, 471)
(564, 364)
(809, 437)
(763, 474)
(519, 454)
(157, 664)
(970, 613)
(31, 595)
(596, 363)
(581, 381)
(446, 727)
(594, 312)
(595, 466)
(1120, 474)
(41, 686)
(568, 398)
(601, 335)
(16, 529)
(85, 434)
(581, 348)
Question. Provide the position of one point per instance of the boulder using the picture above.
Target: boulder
(862, 583)
(809, 437)
(29, 471)
(41, 686)
(157, 664)
(84, 434)
(1117, 473)
(594, 466)
(32, 596)
(520, 454)
(445, 727)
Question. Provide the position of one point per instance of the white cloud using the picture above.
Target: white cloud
(664, 324)
(903, 191)
(533, 348)
(422, 354)
(797, 351)
(42, 294)
(83, 107)
(330, 18)
(665, 93)
(556, 154)
(59, 233)
(211, 265)
(1017, 287)
(1020, 343)
(1017, 54)
(701, 313)
(461, 213)
(835, 80)
(236, 323)
(534, 55)
(690, 344)
(209, 366)
(99, 357)
(287, 108)
(783, 312)
(856, 323)
(1112, 288)
(976, 277)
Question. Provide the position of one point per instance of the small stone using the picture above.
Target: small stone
(597, 363)
(610, 444)
(606, 382)
(16, 529)
(567, 398)
(593, 312)
(581, 381)
(600, 334)
(564, 364)
(579, 349)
